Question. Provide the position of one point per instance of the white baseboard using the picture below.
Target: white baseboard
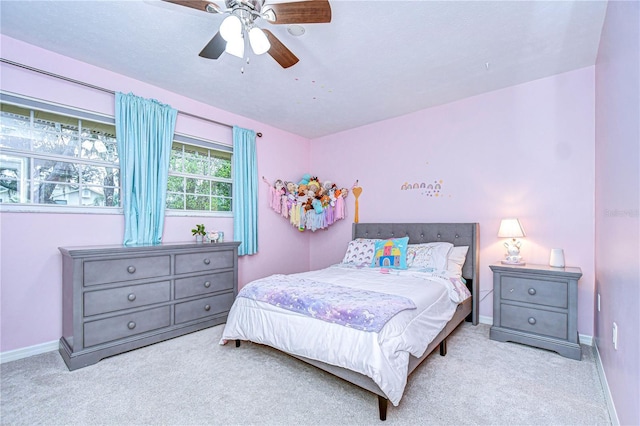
(485, 320)
(613, 414)
(584, 339)
(28, 351)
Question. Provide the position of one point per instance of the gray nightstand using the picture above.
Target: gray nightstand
(537, 305)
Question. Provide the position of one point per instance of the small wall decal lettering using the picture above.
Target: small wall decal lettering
(428, 189)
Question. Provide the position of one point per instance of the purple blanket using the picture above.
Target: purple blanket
(360, 309)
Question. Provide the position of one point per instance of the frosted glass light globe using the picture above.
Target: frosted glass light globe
(259, 41)
(231, 28)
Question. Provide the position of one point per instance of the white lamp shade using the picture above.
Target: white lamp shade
(231, 28)
(511, 228)
(259, 41)
(235, 47)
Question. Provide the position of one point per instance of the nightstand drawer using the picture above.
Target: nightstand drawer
(115, 299)
(540, 292)
(203, 284)
(115, 270)
(207, 261)
(532, 320)
(208, 306)
(122, 326)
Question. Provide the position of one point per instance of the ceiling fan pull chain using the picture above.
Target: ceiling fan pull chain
(242, 68)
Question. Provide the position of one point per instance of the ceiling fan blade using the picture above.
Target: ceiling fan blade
(301, 12)
(214, 48)
(195, 4)
(279, 51)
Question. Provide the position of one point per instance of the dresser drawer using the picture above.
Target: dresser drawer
(205, 261)
(116, 270)
(532, 320)
(201, 308)
(115, 299)
(203, 284)
(122, 326)
(538, 291)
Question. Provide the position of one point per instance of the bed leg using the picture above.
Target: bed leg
(237, 343)
(382, 406)
(443, 347)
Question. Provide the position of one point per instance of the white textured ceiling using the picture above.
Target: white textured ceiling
(375, 60)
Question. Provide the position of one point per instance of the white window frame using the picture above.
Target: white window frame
(76, 113)
(201, 143)
(81, 114)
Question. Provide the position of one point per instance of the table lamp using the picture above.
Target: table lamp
(511, 228)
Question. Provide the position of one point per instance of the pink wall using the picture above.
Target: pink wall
(30, 277)
(525, 151)
(618, 205)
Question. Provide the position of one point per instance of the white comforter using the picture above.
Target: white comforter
(382, 356)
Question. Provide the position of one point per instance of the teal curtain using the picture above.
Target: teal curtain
(245, 190)
(144, 131)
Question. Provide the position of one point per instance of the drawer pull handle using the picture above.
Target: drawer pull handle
(131, 297)
(207, 261)
(207, 284)
(207, 307)
(511, 291)
(532, 291)
(532, 320)
(131, 269)
(131, 325)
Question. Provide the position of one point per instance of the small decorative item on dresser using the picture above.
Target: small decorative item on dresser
(556, 259)
(199, 232)
(214, 237)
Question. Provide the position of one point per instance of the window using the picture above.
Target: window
(53, 156)
(199, 179)
(52, 159)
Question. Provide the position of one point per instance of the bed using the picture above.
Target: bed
(429, 305)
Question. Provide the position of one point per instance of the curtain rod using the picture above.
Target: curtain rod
(102, 89)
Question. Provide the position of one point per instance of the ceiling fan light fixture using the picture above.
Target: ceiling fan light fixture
(213, 8)
(235, 47)
(231, 28)
(269, 15)
(259, 41)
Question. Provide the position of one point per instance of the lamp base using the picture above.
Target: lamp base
(517, 263)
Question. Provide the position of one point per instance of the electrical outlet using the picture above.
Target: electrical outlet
(615, 336)
(598, 302)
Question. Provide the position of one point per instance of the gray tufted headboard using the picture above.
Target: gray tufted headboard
(458, 234)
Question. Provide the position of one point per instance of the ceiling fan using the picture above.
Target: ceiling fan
(240, 24)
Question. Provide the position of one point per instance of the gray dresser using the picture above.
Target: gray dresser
(537, 305)
(117, 298)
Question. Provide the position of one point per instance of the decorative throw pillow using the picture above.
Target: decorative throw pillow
(455, 261)
(360, 251)
(391, 253)
(428, 256)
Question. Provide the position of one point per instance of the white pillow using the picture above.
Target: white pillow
(455, 260)
(360, 251)
(428, 255)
